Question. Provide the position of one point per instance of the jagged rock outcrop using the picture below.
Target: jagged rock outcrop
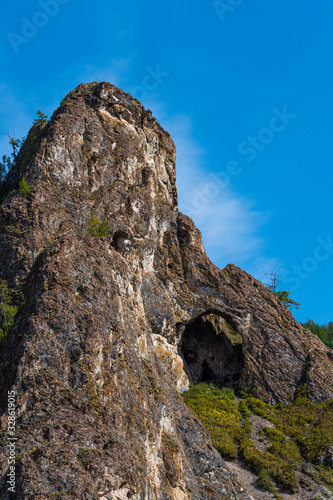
(112, 328)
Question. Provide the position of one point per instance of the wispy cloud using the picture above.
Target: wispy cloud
(230, 224)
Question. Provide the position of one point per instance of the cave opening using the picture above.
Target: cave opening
(211, 349)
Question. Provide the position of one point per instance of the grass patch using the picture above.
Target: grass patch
(217, 410)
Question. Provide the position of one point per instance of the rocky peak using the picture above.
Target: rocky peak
(113, 328)
(98, 136)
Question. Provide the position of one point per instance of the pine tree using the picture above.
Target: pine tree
(41, 118)
(324, 332)
(283, 296)
(275, 280)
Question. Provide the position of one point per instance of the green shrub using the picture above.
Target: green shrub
(24, 188)
(282, 447)
(98, 228)
(243, 408)
(8, 311)
(301, 395)
(267, 483)
(324, 475)
(269, 466)
(261, 409)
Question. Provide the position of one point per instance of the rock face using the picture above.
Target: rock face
(112, 329)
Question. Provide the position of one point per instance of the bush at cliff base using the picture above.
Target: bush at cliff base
(302, 431)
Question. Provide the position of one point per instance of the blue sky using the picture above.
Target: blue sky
(245, 89)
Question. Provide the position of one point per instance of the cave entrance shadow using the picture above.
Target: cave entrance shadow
(211, 349)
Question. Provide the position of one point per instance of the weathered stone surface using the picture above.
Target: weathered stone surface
(327, 457)
(100, 349)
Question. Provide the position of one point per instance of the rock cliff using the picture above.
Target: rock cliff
(112, 329)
